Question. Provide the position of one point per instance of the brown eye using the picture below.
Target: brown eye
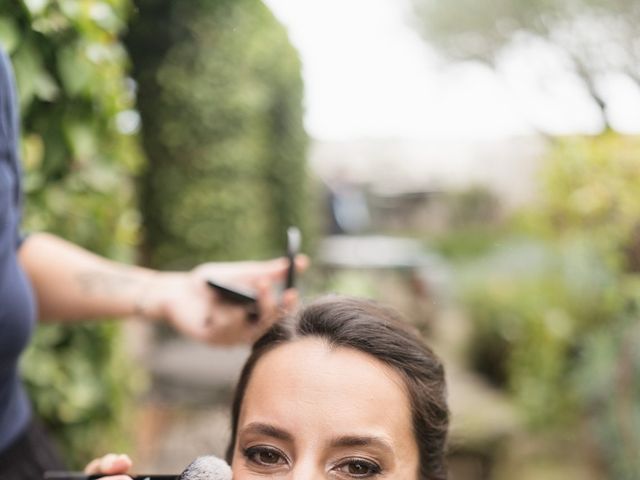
(269, 457)
(265, 456)
(359, 468)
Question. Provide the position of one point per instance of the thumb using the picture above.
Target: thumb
(109, 464)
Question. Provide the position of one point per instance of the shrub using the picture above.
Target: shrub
(221, 102)
(70, 69)
(561, 333)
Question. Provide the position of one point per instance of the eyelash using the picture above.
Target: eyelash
(374, 468)
(251, 454)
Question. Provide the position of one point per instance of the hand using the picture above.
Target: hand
(111, 464)
(196, 310)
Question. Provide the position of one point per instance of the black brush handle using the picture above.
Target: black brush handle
(293, 248)
(83, 476)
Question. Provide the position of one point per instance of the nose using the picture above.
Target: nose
(312, 476)
(307, 471)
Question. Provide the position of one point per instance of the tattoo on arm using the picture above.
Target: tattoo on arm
(97, 282)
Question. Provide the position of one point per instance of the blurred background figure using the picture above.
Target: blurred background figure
(347, 207)
(494, 146)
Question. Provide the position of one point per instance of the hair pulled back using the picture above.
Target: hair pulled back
(379, 331)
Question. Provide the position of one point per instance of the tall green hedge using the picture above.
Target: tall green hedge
(70, 68)
(220, 95)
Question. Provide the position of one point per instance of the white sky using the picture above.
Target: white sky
(368, 75)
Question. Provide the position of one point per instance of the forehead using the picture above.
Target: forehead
(308, 387)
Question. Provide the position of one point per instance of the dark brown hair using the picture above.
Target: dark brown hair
(379, 331)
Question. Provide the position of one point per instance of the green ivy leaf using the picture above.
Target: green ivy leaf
(27, 68)
(45, 87)
(75, 71)
(82, 139)
(9, 35)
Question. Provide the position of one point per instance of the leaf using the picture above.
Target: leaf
(36, 7)
(45, 86)
(104, 15)
(82, 139)
(9, 35)
(27, 66)
(75, 71)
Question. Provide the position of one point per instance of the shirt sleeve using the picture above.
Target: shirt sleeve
(9, 138)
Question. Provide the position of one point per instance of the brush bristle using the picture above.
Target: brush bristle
(207, 468)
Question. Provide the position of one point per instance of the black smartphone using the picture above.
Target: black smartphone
(83, 476)
(233, 293)
(238, 295)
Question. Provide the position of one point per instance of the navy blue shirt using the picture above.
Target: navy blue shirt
(17, 304)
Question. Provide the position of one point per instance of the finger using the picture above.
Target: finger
(93, 466)
(276, 268)
(290, 300)
(229, 325)
(119, 464)
(109, 464)
(268, 306)
(302, 262)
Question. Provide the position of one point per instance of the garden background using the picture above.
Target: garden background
(168, 133)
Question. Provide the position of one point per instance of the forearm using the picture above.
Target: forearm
(72, 283)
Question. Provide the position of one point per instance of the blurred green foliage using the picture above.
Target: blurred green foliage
(609, 388)
(466, 243)
(220, 94)
(590, 187)
(473, 207)
(70, 69)
(532, 306)
(474, 224)
(556, 320)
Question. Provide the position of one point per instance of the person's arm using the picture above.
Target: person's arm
(74, 284)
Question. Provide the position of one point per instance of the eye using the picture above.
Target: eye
(359, 468)
(265, 456)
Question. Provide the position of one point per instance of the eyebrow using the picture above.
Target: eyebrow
(337, 442)
(361, 441)
(268, 430)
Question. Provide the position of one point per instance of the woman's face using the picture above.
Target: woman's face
(312, 412)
